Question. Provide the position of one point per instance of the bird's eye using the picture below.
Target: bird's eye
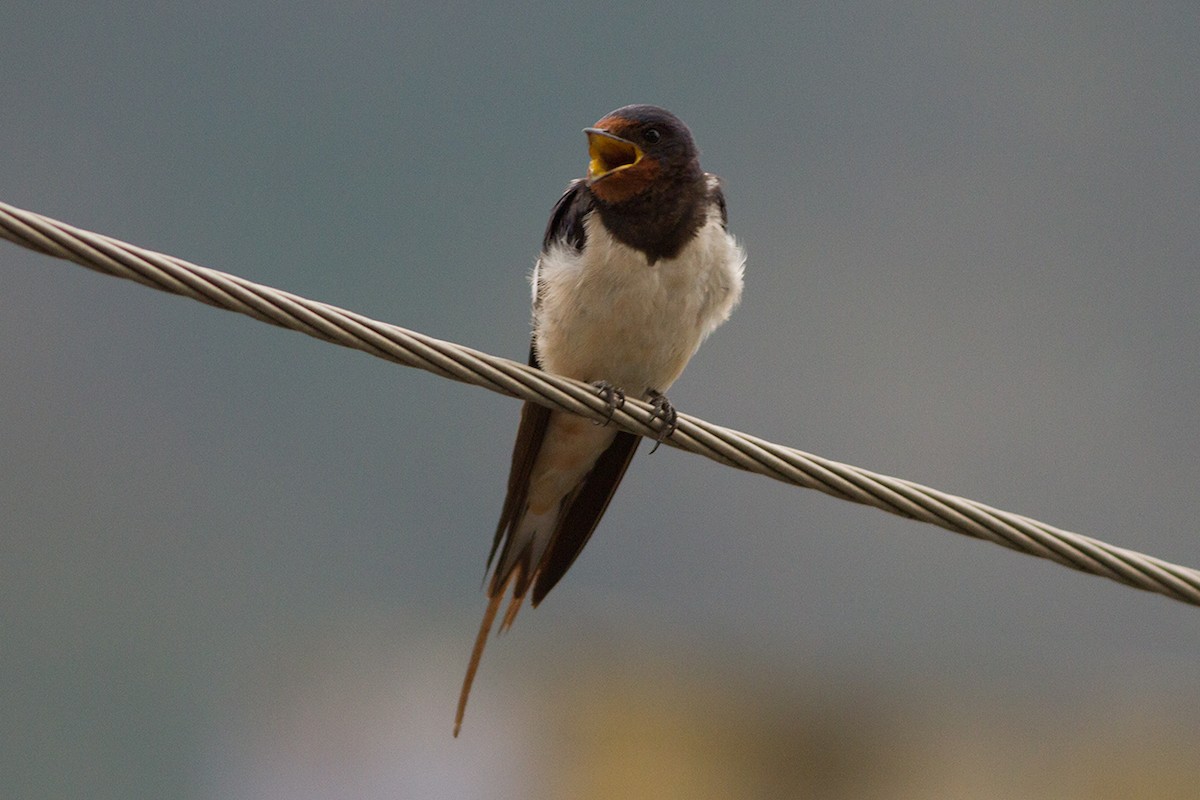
(652, 135)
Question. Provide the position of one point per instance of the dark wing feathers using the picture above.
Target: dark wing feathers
(530, 434)
(566, 219)
(716, 195)
(583, 511)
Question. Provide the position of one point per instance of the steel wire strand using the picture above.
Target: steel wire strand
(726, 446)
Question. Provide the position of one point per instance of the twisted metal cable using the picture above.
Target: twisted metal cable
(339, 326)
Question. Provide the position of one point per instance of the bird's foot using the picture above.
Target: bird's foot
(612, 395)
(666, 412)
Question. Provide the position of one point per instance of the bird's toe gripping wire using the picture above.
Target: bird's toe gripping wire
(613, 396)
(663, 410)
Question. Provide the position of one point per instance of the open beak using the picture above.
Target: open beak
(609, 153)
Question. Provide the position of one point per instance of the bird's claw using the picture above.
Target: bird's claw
(664, 411)
(614, 397)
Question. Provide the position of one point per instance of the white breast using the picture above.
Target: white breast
(608, 314)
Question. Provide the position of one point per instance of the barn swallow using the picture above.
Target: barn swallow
(637, 267)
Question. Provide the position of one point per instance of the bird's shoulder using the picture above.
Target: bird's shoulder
(716, 197)
(566, 225)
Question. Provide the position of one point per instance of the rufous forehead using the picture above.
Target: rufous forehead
(615, 125)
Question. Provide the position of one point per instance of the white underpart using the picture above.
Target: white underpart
(608, 314)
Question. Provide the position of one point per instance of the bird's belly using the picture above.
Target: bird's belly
(636, 334)
(626, 338)
(609, 315)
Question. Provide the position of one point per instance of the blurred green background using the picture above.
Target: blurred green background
(236, 562)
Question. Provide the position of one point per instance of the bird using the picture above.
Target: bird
(637, 268)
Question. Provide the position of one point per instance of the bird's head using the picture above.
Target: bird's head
(636, 148)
